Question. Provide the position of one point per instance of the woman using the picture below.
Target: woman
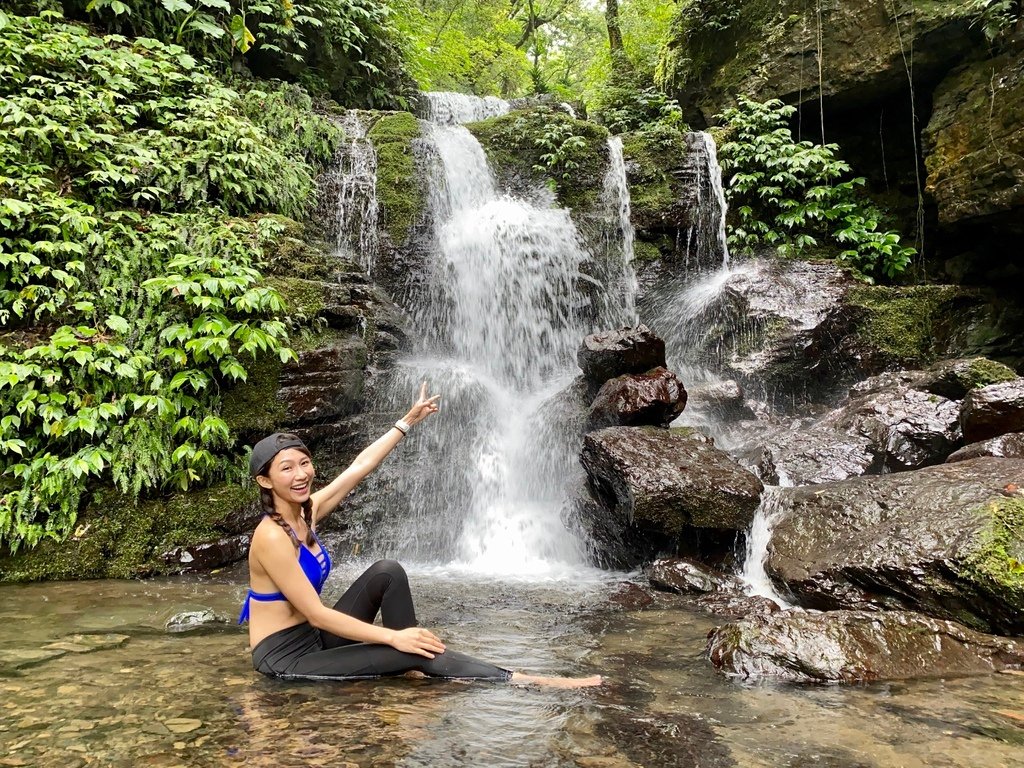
(291, 632)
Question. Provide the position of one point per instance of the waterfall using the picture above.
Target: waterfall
(701, 234)
(483, 485)
(349, 192)
(767, 514)
(444, 108)
(619, 276)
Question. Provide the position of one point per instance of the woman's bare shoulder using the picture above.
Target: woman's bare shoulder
(270, 534)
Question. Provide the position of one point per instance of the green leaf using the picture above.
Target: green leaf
(117, 324)
(240, 34)
(174, 6)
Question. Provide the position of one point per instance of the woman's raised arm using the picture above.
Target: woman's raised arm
(327, 499)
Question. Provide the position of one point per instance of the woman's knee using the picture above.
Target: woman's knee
(391, 568)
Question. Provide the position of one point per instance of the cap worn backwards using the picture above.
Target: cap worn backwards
(269, 447)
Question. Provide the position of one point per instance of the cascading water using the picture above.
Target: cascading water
(499, 320)
(349, 190)
(758, 538)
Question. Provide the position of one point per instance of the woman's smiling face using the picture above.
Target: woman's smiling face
(290, 475)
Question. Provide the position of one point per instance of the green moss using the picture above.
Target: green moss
(982, 372)
(515, 144)
(998, 550)
(400, 189)
(645, 251)
(303, 298)
(903, 322)
(251, 407)
(115, 538)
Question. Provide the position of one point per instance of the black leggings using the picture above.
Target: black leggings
(303, 652)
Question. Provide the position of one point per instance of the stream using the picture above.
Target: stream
(147, 696)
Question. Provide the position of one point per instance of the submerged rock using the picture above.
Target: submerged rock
(944, 540)
(604, 356)
(664, 481)
(906, 428)
(1009, 446)
(654, 398)
(993, 410)
(856, 646)
(190, 621)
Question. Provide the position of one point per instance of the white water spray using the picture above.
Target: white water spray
(350, 187)
(758, 539)
(499, 320)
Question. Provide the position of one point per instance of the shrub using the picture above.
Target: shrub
(788, 195)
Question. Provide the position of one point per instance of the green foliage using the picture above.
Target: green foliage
(570, 155)
(626, 108)
(788, 194)
(998, 18)
(128, 293)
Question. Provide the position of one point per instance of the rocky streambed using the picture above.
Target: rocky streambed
(897, 547)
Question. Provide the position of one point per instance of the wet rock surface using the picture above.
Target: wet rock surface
(654, 398)
(993, 410)
(208, 555)
(192, 621)
(726, 400)
(686, 576)
(906, 428)
(946, 540)
(1009, 446)
(603, 356)
(953, 379)
(810, 455)
(856, 646)
(661, 482)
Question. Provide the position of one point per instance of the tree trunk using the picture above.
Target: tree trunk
(621, 67)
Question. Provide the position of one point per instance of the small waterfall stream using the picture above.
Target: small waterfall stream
(499, 322)
(348, 192)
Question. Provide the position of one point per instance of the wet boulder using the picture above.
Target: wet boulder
(856, 646)
(946, 540)
(325, 383)
(209, 554)
(604, 356)
(953, 379)
(815, 455)
(906, 428)
(725, 399)
(665, 481)
(654, 398)
(993, 410)
(685, 576)
(1010, 446)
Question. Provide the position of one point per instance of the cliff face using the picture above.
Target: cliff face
(921, 104)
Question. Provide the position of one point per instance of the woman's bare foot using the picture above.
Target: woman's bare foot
(556, 682)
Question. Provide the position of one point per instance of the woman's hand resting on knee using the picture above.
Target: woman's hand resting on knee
(417, 640)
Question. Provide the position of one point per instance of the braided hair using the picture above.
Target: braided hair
(267, 505)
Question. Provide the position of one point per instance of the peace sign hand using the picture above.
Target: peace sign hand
(423, 407)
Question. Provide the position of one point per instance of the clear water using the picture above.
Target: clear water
(192, 699)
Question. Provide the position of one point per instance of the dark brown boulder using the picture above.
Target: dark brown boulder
(665, 481)
(946, 540)
(654, 398)
(604, 356)
(993, 410)
(856, 646)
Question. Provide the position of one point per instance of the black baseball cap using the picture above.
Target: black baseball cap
(269, 447)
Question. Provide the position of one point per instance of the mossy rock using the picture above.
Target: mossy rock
(517, 142)
(653, 188)
(400, 189)
(998, 551)
(119, 538)
(910, 325)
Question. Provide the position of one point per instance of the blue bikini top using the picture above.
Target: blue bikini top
(317, 568)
